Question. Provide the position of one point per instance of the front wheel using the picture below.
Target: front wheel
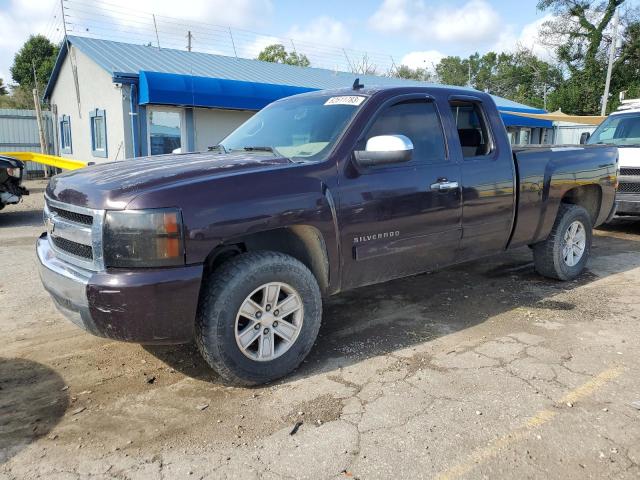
(564, 254)
(258, 317)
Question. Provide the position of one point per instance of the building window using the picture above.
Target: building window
(98, 133)
(525, 136)
(165, 130)
(65, 134)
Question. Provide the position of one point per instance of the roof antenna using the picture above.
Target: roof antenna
(357, 85)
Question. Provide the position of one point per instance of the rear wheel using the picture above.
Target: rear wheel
(258, 318)
(564, 254)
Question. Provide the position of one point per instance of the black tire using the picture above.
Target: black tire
(222, 296)
(548, 255)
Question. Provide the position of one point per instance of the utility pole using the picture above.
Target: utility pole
(189, 38)
(233, 44)
(155, 26)
(612, 57)
(36, 103)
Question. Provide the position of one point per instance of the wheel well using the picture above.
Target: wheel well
(302, 242)
(588, 196)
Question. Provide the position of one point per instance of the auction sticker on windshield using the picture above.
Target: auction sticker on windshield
(345, 100)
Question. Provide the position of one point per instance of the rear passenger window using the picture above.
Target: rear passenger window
(419, 121)
(472, 129)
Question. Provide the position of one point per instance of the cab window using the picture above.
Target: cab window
(472, 129)
(419, 121)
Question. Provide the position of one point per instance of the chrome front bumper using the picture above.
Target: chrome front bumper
(143, 306)
(628, 204)
(66, 283)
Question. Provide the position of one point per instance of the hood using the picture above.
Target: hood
(629, 156)
(113, 185)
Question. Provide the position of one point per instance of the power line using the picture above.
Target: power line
(109, 21)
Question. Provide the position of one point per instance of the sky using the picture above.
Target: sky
(414, 32)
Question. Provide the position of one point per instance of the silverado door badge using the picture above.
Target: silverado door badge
(375, 236)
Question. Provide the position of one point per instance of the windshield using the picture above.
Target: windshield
(303, 128)
(618, 130)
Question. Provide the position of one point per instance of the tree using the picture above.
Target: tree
(39, 53)
(3, 88)
(453, 71)
(578, 30)
(20, 97)
(580, 34)
(276, 53)
(519, 76)
(422, 74)
(364, 66)
(627, 67)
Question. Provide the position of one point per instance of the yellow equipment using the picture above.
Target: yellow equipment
(51, 160)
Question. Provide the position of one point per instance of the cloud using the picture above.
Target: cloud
(304, 39)
(252, 49)
(239, 13)
(18, 20)
(126, 21)
(528, 38)
(425, 59)
(321, 31)
(474, 22)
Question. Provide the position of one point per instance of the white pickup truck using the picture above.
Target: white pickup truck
(622, 129)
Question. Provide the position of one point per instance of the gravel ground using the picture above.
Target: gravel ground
(485, 370)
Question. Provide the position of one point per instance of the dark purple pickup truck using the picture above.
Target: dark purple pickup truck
(316, 194)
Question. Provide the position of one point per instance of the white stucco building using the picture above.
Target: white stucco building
(115, 100)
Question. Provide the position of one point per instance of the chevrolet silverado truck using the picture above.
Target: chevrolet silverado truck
(622, 129)
(315, 194)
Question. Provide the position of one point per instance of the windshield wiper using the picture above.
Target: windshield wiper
(216, 148)
(260, 149)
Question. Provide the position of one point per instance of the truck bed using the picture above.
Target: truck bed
(546, 173)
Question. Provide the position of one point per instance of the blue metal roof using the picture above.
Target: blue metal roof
(126, 59)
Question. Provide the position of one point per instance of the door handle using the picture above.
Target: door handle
(444, 186)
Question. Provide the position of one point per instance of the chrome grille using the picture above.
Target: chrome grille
(75, 233)
(629, 188)
(73, 216)
(73, 248)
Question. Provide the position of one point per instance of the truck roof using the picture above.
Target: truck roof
(628, 106)
(374, 89)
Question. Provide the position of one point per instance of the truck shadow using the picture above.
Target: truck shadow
(622, 224)
(20, 218)
(32, 402)
(384, 318)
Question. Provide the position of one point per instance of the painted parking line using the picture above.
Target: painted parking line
(483, 454)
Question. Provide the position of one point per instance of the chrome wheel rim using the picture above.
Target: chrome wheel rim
(269, 321)
(574, 244)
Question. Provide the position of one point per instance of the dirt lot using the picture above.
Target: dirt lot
(482, 371)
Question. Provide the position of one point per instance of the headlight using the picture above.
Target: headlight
(143, 238)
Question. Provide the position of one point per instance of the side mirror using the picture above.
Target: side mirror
(383, 150)
(584, 138)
